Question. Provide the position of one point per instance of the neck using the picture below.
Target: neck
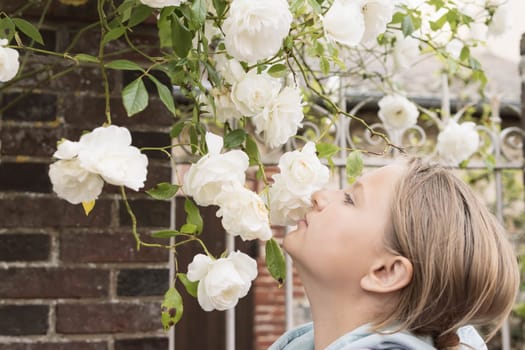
(337, 311)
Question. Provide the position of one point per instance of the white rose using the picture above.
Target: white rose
(397, 112)
(206, 178)
(281, 117)
(225, 109)
(9, 63)
(222, 282)
(243, 213)
(377, 14)
(253, 92)
(73, 183)
(405, 53)
(457, 142)
(254, 30)
(162, 3)
(350, 22)
(286, 208)
(107, 151)
(230, 69)
(502, 20)
(302, 172)
(344, 22)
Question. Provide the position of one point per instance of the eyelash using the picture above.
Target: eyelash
(348, 199)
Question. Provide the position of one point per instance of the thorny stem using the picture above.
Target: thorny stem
(340, 111)
(103, 25)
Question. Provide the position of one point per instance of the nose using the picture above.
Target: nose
(319, 200)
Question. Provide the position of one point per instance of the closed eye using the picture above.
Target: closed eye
(348, 199)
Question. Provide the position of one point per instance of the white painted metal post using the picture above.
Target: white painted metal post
(230, 314)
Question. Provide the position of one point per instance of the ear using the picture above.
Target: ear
(389, 274)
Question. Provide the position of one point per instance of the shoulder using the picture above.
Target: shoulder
(300, 338)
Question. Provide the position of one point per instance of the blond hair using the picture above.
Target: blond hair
(465, 268)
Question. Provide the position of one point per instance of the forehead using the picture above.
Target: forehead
(380, 183)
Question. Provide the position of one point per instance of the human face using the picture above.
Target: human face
(343, 234)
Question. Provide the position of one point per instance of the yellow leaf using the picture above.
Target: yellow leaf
(88, 206)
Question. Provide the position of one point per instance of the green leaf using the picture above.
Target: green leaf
(172, 308)
(275, 261)
(82, 57)
(124, 65)
(354, 166)
(252, 150)
(465, 53)
(326, 150)
(193, 215)
(165, 233)
(198, 11)
(315, 6)
(135, 97)
(397, 18)
(164, 27)
(325, 65)
(181, 37)
(234, 138)
(163, 190)
(407, 26)
(7, 28)
(139, 15)
(113, 34)
(188, 229)
(278, 70)
(191, 287)
(165, 94)
(177, 129)
(439, 23)
(220, 6)
(29, 30)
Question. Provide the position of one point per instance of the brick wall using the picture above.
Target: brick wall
(69, 281)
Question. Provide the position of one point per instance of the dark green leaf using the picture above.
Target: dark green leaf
(139, 15)
(354, 166)
(165, 234)
(164, 27)
(193, 215)
(29, 30)
(191, 287)
(220, 6)
(326, 150)
(278, 70)
(165, 94)
(135, 97)
(275, 261)
(7, 28)
(198, 10)
(172, 308)
(234, 138)
(82, 57)
(124, 65)
(113, 34)
(163, 190)
(177, 129)
(181, 37)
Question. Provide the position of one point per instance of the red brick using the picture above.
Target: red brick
(108, 318)
(24, 247)
(26, 211)
(118, 247)
(85, 345)
(23, 319)
(53, 283)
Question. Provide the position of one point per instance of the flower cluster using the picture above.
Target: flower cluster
(105, 154)
(275, 109)
(457, 142)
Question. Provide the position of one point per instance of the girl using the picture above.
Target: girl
(403, 259)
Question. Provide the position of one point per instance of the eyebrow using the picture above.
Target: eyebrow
(358, 190)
